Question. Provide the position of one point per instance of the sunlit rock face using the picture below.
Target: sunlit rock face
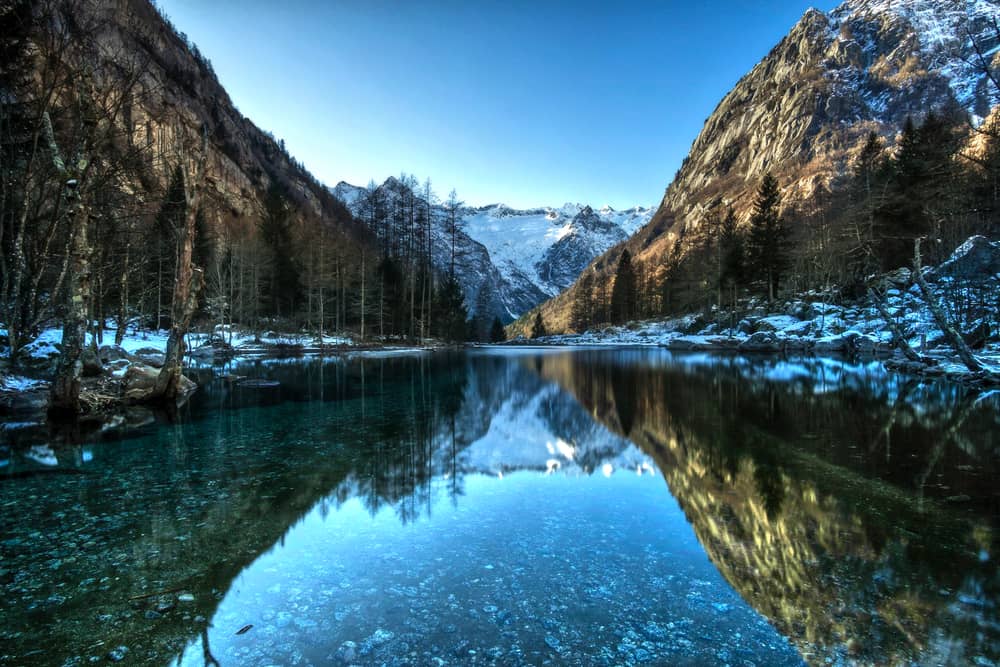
(802, 110)
(840, 530)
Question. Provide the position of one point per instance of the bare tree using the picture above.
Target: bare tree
(188, 281)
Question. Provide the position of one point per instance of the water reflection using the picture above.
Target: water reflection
(388, 510)
(856, 511)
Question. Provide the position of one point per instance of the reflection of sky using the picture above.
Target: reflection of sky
(570, 559)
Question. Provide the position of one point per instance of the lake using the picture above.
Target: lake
(513, 507)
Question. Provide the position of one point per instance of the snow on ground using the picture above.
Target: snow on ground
(19, 383)
(46, 345)
(805, 326)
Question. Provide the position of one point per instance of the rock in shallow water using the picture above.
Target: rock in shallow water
(118, 653)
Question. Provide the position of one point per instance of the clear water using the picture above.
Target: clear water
(513, 507)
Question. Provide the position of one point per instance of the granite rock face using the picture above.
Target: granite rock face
(803, 110)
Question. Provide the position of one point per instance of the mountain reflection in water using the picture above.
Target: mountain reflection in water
(504, 507)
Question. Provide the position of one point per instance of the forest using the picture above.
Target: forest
(115, 210)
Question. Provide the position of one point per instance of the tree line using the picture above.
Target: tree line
(113, 208)
(935, 184)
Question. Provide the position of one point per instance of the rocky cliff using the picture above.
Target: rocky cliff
(802, 111)
(176, 97)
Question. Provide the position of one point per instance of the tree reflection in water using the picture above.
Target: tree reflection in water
(823, 492)
(856, 510)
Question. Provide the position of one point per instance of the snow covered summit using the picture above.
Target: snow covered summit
(510, 260)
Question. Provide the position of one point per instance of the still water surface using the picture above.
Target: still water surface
(514, 508)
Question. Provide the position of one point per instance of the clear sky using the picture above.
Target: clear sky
(526, 103)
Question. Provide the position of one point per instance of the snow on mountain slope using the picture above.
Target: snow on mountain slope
(511, 260)
(526, 434)
(551, 247)
(943, 32)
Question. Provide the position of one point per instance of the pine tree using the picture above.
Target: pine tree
(538, 326)
(454, 224)
(920, 190)
(167, 226)
(450, 316)
(767, 247)
(731, 252)
(582, 313)
(276, 232)
(497, 334)
(623, 294)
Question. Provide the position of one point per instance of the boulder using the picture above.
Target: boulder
(798, 310)
(681, 343)
(92, 366)
(150, 356)
(832, 344)
(798, 344)
(976, 259)
(35, 401)
(109, 353)
(800, 329)
(762, 341)
(862, 344)
(895, 279)
(141, 378)
(37, 362)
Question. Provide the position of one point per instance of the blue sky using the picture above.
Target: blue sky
(526, 103)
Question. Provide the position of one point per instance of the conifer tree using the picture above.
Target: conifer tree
(538, 326)
(276, 232)
(450, 317)
(731, 252)
(582, 312)
(920, 189)
(623, 294)
(768, 252)
(497, 334)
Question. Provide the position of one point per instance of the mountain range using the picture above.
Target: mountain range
(510, 260)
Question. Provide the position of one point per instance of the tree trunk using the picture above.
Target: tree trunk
(64, 398)
(897, 335)
(951, 335)
(362, 295)
(122, 319)
(188, 283)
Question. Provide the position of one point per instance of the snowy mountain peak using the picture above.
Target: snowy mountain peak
(513, 259)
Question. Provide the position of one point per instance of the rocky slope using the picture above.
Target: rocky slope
(178, 94)
(803, 110)
(511, 260)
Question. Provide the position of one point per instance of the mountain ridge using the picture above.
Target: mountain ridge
(804, 109)
(509, 259)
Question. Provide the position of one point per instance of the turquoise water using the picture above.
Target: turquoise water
(500, 507)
